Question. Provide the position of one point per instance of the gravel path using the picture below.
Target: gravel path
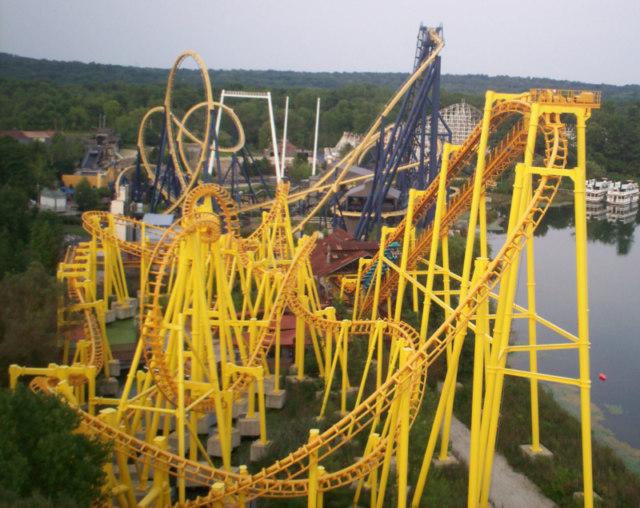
(508, 488)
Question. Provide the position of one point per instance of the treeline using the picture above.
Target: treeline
(613, 132)
(17, 67)
(26, 234)
(45, 105)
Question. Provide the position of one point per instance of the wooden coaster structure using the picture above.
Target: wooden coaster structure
(209, 294)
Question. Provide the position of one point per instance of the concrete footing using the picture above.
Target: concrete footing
(449, 461)
(110, 387)
(270, 383)
(204, 425)
(249, 427)
(214, 447)
(172, 422)
(191, 483)
(579, 496)
(114, 368)
(276, 400)
(240, 408)
(295, 379)
(125, 311)
(528, 453)
(133, 302)
(109, 316)
(259, 450)
(174, 441)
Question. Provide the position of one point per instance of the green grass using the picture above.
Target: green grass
(561, 433)
(76, 230)
(121, 332)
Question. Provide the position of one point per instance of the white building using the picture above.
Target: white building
(54, 200)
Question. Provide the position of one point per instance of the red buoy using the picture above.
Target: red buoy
(602, 377)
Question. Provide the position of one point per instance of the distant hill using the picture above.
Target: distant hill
(17, 67)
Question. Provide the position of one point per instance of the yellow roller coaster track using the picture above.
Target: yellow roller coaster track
(286, 477)
(265, 483)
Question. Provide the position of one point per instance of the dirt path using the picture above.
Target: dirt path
(508, 488)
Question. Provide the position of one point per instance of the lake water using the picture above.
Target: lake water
(614, 318)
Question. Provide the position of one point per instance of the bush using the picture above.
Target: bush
(42, 454)
(72, 220)
(28, 320)
(84, 196)
(300, 171)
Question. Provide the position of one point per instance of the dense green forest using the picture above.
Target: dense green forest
(17, 67)
(45, 105)
(613, 133)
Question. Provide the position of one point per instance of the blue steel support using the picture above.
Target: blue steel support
(409, 130)
(155, 192)
(397, 145)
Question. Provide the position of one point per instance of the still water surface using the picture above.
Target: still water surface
(614, 316)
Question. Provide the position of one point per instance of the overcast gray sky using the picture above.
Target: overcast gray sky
(584, 40)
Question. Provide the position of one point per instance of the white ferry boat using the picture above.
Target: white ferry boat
(621, 194)
(597, 191)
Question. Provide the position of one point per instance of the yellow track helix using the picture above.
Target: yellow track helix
(78, 294)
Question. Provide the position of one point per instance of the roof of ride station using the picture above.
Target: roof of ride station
(338, 250)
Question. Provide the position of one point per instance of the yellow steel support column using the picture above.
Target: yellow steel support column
(402, 282)
(533, 355)
(471, 235)
(181, 416)
(403, 445)
(253, 333)
(435, 237)
(375, 440)
(448, 386)
(476, 403)
(242, 496)
(313, 469)
(218, 488)
(392, 419)
(321, 473)
(502, 330)
(378, 275)
(110, 417)
(261, 407)
(345, 373)
(276, 386)
(583, 308)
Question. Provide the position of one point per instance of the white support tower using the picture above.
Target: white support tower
(284, 136)
(315, 143)
(248, 95)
